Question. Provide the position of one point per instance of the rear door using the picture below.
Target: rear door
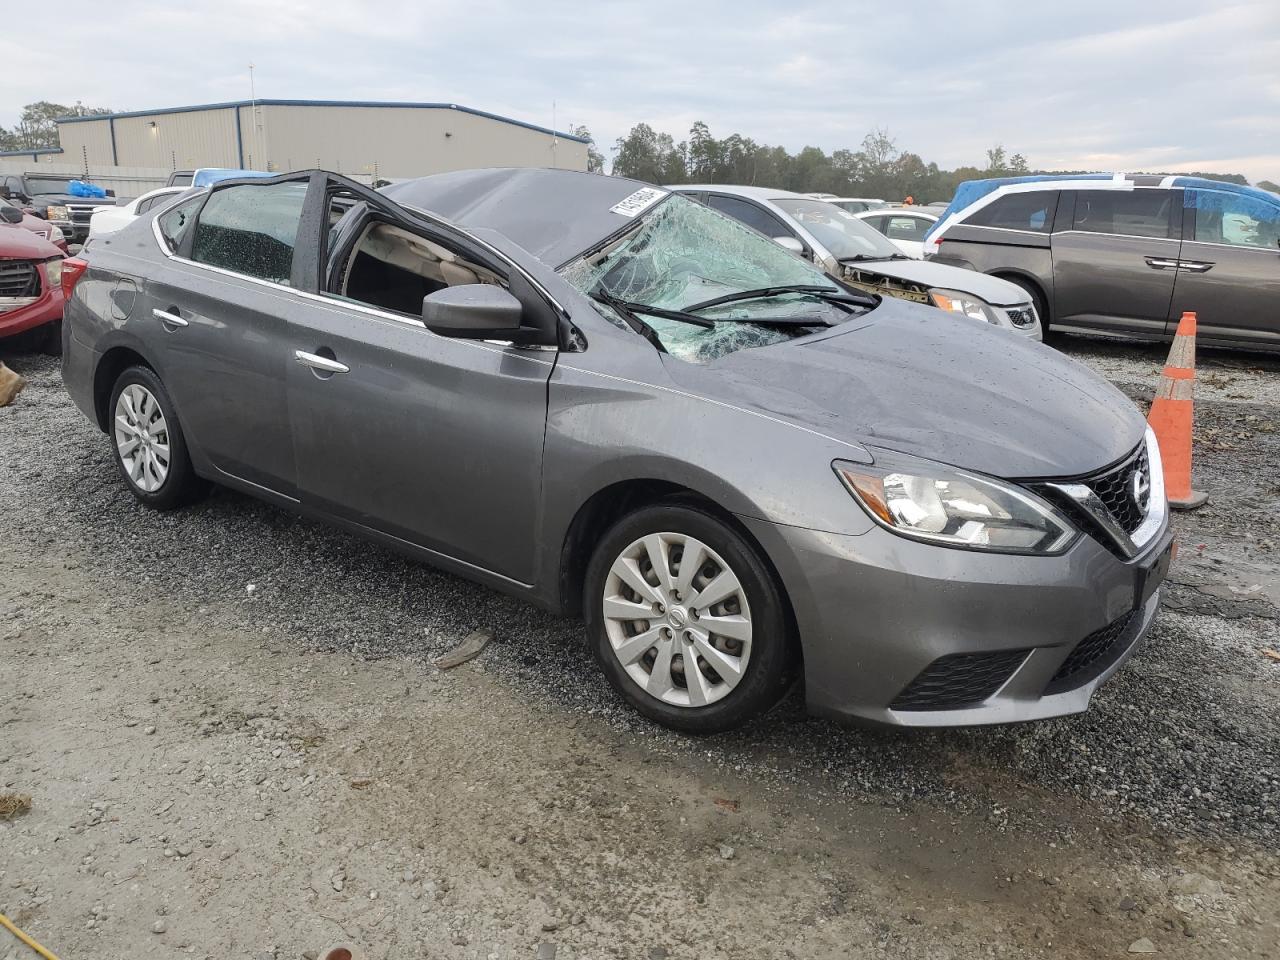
(1230, 269)
(219, 318)
(432, 440)
(1115, 265)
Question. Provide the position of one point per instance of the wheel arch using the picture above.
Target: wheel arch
(609, 504)
(114, 362)
(1021, 277)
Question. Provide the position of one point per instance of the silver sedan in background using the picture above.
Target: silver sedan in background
(856, 254)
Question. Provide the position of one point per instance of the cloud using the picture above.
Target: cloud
(1072, 85)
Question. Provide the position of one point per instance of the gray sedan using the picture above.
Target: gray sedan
(618, 403)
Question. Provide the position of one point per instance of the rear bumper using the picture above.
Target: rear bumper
(891, 628)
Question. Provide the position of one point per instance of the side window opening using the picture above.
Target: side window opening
(394, 269)
(1031, 211)
(251, 229)
(1234, 220)
(1130, 213)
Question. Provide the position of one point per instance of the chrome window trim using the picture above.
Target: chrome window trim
(1269, 251)
(1157, 504)
(1122, 236)
(332, 303)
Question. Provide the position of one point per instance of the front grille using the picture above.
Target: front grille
(81, 213)
(1095, 653)
(19, 278)
(1115, 490)
(1021, 316)
(959, 680)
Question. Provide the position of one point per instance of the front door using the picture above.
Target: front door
(433, 440)
(1115, 264)
(1230, 272)
(221, 309)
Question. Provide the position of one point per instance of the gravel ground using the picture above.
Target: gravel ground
(1176, 760)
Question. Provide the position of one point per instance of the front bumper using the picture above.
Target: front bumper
(884, 620)
(45, 308)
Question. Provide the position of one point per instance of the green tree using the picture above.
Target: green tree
(1269, 185)
(37, 127)
(595, 159)
(704, 157)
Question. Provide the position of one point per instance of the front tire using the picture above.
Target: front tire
(147, 442)
(687, 621)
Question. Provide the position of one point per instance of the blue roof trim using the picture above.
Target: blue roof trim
(30, 153)
(233, 104)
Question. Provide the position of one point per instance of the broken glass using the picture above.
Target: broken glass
(684, 253)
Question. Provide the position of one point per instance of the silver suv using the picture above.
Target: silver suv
(1126, 255)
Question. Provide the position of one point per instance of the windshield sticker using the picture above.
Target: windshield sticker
(638, 202)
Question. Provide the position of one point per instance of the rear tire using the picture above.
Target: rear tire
(147, 442)
(647, 626)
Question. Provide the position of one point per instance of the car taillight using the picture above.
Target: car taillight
(73, 269)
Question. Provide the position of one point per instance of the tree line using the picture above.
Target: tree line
(36, 128)
(877, 169)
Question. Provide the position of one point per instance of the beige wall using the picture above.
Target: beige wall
(401, 141)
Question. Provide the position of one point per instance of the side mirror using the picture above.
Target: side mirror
(10, 214)
(478, 311)
(790, 243)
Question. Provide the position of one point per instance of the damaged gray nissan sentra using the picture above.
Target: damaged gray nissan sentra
(615, 402)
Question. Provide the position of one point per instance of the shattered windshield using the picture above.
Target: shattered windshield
(838, 230)
(684, 254)
(47, 185)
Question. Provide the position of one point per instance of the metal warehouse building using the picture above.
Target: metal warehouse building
(386, 138)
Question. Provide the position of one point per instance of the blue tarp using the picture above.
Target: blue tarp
(207, 176)
(78, 188)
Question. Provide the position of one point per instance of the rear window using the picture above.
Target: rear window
(1031, 211)
(174, 223)
(1129, 213)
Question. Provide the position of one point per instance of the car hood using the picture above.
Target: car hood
(929, 273)
(62, 199)
(909, 379)
(17, 242)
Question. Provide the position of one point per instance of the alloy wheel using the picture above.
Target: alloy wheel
(142, 437)
(677, 619)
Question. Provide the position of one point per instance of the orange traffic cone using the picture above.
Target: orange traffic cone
(1172, 414)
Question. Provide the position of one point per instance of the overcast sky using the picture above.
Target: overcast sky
(1097, 84)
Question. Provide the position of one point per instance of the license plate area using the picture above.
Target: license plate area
(1151, 574)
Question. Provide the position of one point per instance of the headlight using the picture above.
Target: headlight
(963, 303)
(58, 212)
(938, 504)
(53, 272)
(55, 233)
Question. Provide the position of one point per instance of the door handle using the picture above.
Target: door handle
(1195, 266)
(168, 319)
(317, 362)
(1159, 263)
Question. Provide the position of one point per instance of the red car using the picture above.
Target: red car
(50, 231)
(30, 286)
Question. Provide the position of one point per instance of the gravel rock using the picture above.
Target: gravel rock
(1142, 945)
